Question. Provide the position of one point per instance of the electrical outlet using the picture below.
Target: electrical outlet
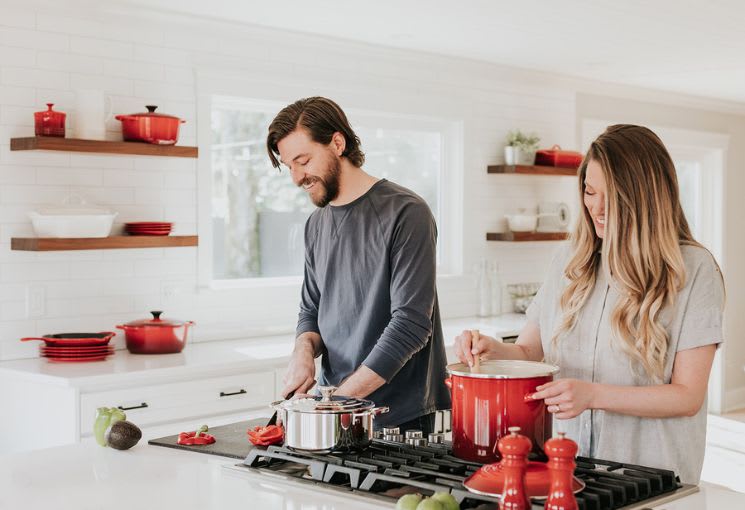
(36, 301)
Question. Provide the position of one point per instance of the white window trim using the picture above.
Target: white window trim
(450, 188)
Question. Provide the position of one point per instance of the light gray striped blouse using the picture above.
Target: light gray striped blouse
(589, 353)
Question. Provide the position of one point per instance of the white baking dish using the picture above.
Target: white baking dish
(74, 218)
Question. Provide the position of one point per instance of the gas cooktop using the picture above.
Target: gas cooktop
(389, 469)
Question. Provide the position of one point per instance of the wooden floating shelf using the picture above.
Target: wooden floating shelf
(531, 170)
(99, 243)
(526, 236)
(52, 143)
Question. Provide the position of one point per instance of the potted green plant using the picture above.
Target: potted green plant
(520, 148)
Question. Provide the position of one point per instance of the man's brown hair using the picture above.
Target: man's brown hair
(322, 118)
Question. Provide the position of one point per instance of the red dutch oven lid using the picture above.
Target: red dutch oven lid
(156, 321)
(504, 369)
(149, 113)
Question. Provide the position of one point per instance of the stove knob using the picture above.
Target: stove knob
(388, 431)
(377, 434)
(394, 438)
(436, 438)
(413, 434)
(420, 441)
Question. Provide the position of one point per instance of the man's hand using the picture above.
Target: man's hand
(301, 372)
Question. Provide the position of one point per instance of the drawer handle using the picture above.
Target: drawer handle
(141, 406)
(239, 392)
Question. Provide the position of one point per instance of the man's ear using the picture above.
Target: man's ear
(338, 143)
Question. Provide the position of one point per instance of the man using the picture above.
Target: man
(368, 303)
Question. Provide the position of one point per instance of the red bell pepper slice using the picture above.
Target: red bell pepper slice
(265, 436)
(198, 437)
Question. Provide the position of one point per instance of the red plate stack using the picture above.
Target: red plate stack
(148, 228)
(75, 346)
(92, 353)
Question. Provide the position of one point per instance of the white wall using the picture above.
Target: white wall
(46, 53)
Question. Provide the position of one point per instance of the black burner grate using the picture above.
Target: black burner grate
(390, 470)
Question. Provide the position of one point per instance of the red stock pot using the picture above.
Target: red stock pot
(156, 335)
(150, 127)
(488, 402)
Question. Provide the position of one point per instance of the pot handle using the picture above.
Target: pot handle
(277, 404)
(121, 326)
(449, 383)
(29, 338)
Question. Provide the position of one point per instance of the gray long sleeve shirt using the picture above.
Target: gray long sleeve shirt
(369, 291)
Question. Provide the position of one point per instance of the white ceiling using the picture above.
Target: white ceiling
(688, 46)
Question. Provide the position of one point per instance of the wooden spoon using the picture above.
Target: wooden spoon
(476, 368)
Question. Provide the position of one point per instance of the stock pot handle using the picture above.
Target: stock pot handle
(449, 383)
(374, 411)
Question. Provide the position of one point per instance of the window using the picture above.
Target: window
(257, 213)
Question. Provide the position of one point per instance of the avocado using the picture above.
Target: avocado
(123, 435)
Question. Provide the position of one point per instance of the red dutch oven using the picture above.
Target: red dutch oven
(150, 127)
(488, 402)
(156, 335)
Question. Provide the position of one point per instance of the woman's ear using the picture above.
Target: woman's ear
(338, 143)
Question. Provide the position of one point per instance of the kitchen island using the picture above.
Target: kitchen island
(86, 476)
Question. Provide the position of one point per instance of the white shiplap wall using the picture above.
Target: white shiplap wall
(138, 59)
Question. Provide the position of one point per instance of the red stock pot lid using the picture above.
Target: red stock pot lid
(504, 369)
(149, 113)
(156, 321)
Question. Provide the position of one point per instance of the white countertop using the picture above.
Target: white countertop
(87, 476)
(201, 359)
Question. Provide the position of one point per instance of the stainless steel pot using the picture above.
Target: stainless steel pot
(327, 423)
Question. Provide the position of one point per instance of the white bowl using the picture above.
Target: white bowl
(72, 225)
(522, 222)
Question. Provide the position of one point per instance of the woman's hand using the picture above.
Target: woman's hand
(566, 398)
(466, 349)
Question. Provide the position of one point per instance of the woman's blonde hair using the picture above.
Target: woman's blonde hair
(644, 229)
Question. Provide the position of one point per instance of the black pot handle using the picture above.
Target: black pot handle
(157, 314)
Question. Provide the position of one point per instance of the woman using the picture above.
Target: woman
(631, 311)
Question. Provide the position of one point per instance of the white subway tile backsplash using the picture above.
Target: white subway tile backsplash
(15, 56)
(17, 115)
(129, 213)
(169, 268)
(148, 196)
(135, 178)
(99, 305)
(106, 196)
(32, 158)
(36, 39)
(26, 77)
(160, 55)
(86, 270)
(64, 100)
(13, 310)
(16, 175)
(100, 161)
(108, 84)
(12, 292)
(77, 289)
(16, 17)
(101, 47)
(20, 194)
(69, 176)
(35, 271)
(133, 70)
(69, 62)
(153, 90)
(18, 96)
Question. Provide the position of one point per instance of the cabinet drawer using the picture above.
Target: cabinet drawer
(178, 401)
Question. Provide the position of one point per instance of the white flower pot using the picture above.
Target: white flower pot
(511, 155)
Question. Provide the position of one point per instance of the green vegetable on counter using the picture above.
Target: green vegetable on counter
(105, 417)
(201, 430)
(408, 502)
(429, 504)
(446, 500)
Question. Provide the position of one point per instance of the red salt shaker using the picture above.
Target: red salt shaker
(49, 122)
(561, 452)
(514, 448)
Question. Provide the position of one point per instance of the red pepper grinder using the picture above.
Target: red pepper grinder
(561, 452)
(514, 449)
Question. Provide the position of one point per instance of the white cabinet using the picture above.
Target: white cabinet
(172, 402)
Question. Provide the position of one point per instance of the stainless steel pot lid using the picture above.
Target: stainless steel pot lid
(325, 403)
(504, 369)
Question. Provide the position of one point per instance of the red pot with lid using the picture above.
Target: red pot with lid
(156, 335)
(49, 122)
(487, 402)
(150, 127)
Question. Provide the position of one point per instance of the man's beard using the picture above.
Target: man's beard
(330, 183)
